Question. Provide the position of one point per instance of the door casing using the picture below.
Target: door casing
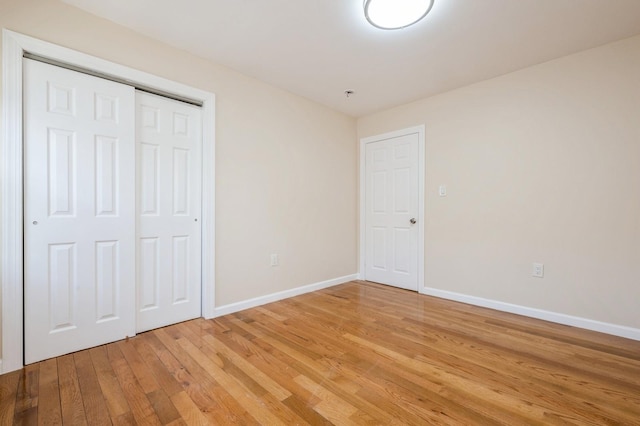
(420, 130)
(11, 174)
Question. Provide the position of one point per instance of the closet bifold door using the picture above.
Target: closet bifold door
(79, 211)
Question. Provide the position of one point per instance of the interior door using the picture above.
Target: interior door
(79, 211)
(391, 211)
(169, 143)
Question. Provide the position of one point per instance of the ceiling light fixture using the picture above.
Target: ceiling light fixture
(395, 14)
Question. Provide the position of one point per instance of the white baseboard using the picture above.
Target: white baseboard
(274, 297)
(588, 324)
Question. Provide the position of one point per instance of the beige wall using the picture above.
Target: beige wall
(541, 165)
(285, 166)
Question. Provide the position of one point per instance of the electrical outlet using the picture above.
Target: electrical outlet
(538, 270)
(274, 259)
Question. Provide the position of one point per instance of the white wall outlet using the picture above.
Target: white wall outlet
(442, 190)
(274, 259)
(538, 270)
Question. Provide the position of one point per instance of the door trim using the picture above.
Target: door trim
(420, 130)
(13, 47)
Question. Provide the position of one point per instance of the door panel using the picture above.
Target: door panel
(106, 173)
(79, 211)
(61, 172)
(391, 201)
(181, 182)
(169, 141)
(107, 270)
(62, 269)
(148, 171)
(149, 274)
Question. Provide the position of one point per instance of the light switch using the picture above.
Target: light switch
(442, 190)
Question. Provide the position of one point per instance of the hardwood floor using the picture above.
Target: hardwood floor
(358, 353)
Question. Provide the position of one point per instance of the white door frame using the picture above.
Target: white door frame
(13, 47)
(420, 130)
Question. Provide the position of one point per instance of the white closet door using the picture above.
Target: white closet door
(391, 203)
(169, 141)
(79, 211)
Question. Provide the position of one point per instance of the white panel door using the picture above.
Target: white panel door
(391, 211)
(79, 211)
(169, 141)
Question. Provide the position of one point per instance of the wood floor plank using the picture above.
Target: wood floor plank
(117, 404)
(264, 406)
(95, 407)
(163, 377)
(306, 411)
(331, 406)
(26, 409)
(208, 372)
(140, 406)
(280, 370)
(163, 407)
(252, 371)
(358, 353)
(189, 411)
(179, 422)
(71, 403)
(210, 398)
(141, 370)
(49, 410)
(125, 419)
(317, 371)
(8, 394)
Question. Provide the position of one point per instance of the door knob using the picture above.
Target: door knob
(412, 220)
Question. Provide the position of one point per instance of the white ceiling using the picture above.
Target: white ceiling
(320, 48)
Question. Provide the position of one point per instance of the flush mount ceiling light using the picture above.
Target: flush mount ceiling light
(395, 14)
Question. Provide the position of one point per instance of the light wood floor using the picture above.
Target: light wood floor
(357, 353)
